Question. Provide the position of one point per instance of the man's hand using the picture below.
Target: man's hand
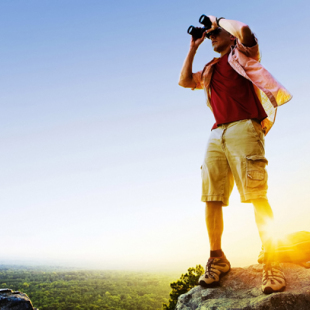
(196, 42)
(214, 23)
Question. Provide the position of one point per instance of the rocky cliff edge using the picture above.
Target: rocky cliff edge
(241, 289)
(10, 300)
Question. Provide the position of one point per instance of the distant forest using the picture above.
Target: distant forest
(59, 289)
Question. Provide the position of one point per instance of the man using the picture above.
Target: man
(243, 97)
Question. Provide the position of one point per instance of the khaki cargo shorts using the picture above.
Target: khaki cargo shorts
(235, 153)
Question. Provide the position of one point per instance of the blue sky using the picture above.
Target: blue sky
(101, 148)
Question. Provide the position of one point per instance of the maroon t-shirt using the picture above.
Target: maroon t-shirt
(233, 97)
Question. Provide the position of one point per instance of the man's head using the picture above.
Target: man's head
(221, 40)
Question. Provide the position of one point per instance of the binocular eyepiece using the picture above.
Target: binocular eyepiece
(197, 32)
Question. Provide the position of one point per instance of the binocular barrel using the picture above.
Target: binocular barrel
(205, 20)
(197, 32)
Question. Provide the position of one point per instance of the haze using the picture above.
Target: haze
(101, 149)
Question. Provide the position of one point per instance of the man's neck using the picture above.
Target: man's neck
(227, 50)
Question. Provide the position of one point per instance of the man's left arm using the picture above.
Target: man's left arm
(238, 29)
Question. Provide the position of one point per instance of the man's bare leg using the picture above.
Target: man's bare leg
(217, 265)
(215, 224)
(273, 277)
(264, 220)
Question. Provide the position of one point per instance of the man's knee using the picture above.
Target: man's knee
(262, 206)
(214, 204)
(260, 203)
(213, 208)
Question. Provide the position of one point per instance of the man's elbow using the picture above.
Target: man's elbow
(185, 83)
(246, 35)
(181, 83)
(245, 31)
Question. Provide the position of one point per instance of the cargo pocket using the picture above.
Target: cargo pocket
(256, 174)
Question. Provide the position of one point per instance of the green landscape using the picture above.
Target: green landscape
(66, 289)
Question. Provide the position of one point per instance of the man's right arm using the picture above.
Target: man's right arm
(186, 77)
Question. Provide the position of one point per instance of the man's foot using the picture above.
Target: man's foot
(216, 268)
(273, 278)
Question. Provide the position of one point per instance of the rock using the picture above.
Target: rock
(10, 300)
(241, 289)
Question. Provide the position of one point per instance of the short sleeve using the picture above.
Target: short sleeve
(250, 51)
(197, 77)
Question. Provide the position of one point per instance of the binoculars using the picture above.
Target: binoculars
(198, 32)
